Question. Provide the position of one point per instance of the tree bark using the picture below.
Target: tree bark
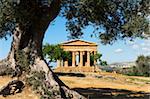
(29, 41)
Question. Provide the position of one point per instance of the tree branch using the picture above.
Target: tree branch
(54, 9)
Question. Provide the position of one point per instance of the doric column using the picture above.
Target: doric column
(88, 58)
(61, 63)
(95, 61)
(66, 63)
(81, 58)
(58, 63)
(73, 59)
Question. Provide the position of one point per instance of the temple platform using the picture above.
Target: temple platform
(76, 69)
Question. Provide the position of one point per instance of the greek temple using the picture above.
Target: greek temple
(80, 53)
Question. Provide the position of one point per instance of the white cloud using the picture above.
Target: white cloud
(141, 47)
(118, 50)
(146, 44)
(146, 49)
(147, 54)
(143, 44)
(135, 46)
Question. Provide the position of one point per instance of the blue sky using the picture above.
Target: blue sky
(120, 51)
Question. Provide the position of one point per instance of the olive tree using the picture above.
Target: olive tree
(143, 65)
(27, 21)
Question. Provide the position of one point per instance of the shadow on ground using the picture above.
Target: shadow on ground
(107, 93)
(70, 74)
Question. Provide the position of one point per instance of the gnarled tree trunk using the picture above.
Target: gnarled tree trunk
(29, 41)
(32, 47)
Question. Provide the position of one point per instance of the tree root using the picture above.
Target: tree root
(71, 94)
(14, 86)
(54, 84)
(42, 80)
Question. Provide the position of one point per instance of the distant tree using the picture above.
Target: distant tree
(103, 63)
(97, 57)
(55, 52)
(143, 65)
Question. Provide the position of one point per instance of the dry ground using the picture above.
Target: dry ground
(109, 85)
(96, 86)
(27, 93)
(108, 80)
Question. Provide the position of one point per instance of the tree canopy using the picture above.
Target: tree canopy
(143, 65)
(111, 19)
(54, 53)
(98, 57)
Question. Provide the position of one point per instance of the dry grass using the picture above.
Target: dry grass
(92, 80)
(108, 80)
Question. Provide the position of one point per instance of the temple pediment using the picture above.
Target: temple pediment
(79, 42)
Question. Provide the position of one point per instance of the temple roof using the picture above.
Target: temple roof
(78, 42)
